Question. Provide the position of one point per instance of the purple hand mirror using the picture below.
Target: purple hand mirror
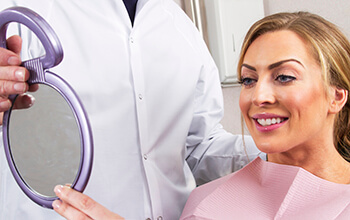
(49, 143)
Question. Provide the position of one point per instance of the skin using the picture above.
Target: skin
(13, 77)
(282, 80)
(75, 205)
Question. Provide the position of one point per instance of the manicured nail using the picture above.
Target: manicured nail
(20, 74)
(13, 60)
(19, 87)
(58, 189)
(56, 204)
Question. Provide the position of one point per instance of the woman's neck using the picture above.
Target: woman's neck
(325, 163)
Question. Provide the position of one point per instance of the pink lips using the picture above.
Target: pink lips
(267, 116)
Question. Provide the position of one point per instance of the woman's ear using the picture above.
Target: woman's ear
(339, 97)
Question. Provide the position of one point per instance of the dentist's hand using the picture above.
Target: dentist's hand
(75, 205)
(13, 77)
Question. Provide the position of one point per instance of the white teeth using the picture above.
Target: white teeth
(269, 121)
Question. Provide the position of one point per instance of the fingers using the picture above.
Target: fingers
(33, 87)
(14, 43)
(24, 101)
(12, 77)
(12, 87)
(74, 204)
(13, 80)
(11, 56)
(67, 211)
(14, 73)
(5, 104)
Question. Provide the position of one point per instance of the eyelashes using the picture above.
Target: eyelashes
(285, 78)
(280, 78)
(246, 81)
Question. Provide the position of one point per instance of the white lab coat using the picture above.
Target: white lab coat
(153, 97)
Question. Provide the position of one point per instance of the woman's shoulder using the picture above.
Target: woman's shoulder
(201, 192)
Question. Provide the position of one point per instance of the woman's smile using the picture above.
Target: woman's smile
(265, 122)
(283, 98)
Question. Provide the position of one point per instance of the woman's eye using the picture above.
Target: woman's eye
(285, 78)
(247, 81)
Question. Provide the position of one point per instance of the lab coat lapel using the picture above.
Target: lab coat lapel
(140, 8)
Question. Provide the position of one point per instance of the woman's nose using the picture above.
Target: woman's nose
(264, 94)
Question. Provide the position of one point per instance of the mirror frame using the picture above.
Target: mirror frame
(39, 74)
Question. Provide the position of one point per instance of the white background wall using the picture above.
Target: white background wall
(337, 11)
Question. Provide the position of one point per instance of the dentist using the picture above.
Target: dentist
(153, 97)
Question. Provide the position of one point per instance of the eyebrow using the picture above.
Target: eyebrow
(274, 65)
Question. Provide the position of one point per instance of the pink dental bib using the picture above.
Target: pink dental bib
(265, 190)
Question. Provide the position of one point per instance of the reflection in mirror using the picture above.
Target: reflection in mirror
(45, 142)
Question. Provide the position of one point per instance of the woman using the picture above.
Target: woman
(295, 74)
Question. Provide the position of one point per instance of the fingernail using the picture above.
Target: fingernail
(19, 87)
(5, 104)
(58, 189)
(20, 74)
(56, 204)
(13, 60)
(32, 100)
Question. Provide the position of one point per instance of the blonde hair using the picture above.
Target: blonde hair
(330, 48)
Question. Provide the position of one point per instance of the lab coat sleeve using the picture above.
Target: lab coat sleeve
(220, 154)
(211, 151)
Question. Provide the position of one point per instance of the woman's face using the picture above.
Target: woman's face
(283, 100)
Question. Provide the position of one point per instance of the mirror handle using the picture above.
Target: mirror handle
(48, 38)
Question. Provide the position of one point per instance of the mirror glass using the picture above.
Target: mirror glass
(45, 142)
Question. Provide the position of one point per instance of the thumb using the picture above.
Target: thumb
(14, 43)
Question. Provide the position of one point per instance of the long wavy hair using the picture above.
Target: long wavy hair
(330, 48)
